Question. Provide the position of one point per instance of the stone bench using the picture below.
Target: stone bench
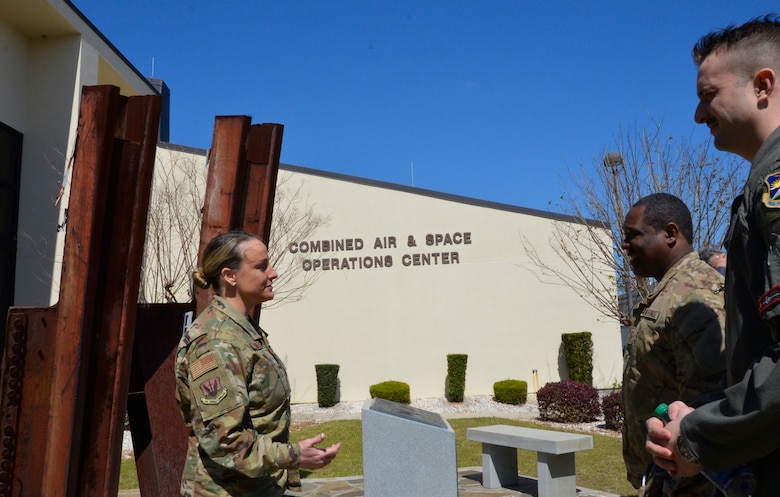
(555, 456)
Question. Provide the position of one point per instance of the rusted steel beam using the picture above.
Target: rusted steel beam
(68, 367)
(134, 154)
(264, 148)
(26, 384)
(224, 185)
(159, 435)
(79, 286)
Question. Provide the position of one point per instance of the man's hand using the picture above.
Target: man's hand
(662, 442)
(313, 457)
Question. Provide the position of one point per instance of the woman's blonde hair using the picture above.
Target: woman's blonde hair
(221, 252)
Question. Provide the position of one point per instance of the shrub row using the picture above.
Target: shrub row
(327, 383)
(573, 401)
(562, 401)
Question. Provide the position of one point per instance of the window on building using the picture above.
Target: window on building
(10, 172)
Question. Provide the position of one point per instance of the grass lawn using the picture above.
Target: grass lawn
(600, 469)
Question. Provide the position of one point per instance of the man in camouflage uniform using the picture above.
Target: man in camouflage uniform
(675, 349)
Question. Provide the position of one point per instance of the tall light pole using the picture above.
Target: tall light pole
(613, 161)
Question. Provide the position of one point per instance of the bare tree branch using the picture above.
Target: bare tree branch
(173, 227)
(173, 230)
(649, 161)
(294, 220)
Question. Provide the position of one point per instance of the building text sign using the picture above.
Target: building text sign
(432, 249)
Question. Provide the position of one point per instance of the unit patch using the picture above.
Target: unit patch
(213, 391)
(771, 199)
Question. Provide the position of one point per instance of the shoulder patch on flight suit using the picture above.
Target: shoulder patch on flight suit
(771, 198)
(769, 299)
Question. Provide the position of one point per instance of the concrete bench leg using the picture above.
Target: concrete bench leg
(499, 466)
(556, 475)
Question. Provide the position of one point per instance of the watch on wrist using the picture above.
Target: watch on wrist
(685, 451)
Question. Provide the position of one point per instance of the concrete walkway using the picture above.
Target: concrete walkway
(469, 485)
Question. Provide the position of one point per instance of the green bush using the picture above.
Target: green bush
(397, 391)
(612, 407)
(327, 384)
(578, 351)
(456, 377)
(568, 402)
(511, 391)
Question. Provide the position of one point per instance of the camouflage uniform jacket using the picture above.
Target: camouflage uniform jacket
(235, 398)
(675, 351)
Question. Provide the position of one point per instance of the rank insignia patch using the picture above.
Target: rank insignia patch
(213, 391)
(771, 199)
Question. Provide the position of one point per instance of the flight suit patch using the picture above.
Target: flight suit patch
(769, 299)
(771, 198)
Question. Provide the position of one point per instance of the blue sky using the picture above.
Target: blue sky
(492, 99)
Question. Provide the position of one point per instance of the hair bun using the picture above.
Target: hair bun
(200, 279)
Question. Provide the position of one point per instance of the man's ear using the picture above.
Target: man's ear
(672, 232)
(764, 84)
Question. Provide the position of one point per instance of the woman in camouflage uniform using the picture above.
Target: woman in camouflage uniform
(233, 389)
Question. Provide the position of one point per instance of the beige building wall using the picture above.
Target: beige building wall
(429, 275)
(417, 275)
(49, 52)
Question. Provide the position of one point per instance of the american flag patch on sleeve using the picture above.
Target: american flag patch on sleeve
(203, 366)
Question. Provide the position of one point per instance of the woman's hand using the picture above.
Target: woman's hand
(314, 457)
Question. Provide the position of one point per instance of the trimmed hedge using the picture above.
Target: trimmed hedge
(612, 407)
(578, 352)
(456, 377)
(396, 391)
(568, 402)
(327, 384)
(511, 391)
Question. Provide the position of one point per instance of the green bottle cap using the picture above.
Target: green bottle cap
(662, 411)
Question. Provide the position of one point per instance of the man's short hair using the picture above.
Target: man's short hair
(664, 208)
(757, 39)
(707, 252)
